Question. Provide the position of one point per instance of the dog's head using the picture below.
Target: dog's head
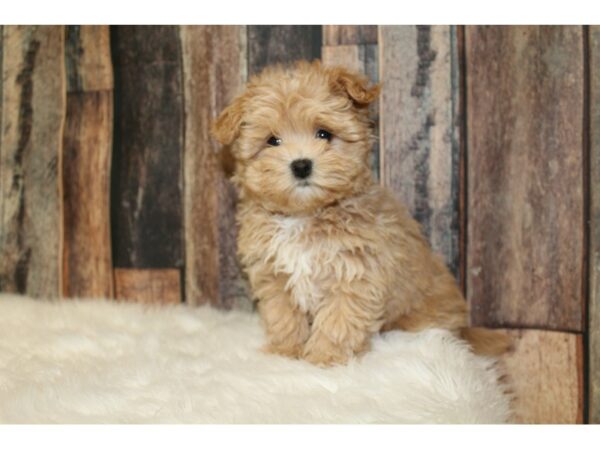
(300, 137)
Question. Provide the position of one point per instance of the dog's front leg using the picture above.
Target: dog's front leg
(343, 327)
(286, 325)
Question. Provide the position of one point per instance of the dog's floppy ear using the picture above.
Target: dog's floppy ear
(227, 126)
(355, 86)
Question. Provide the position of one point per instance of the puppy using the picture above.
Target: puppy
(331, 256)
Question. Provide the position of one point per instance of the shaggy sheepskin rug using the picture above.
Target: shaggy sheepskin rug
(99, 361)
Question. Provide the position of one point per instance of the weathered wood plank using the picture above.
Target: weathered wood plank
(86, 169)
(545, 375)
(156, 286)
(213, 72)
(525, 176)
(281, 44)
(148, 144)
(362, 59)
(594, 245)
(420, 141)
(349, 34)
(33, 96)
(87, 145)
(87, 58)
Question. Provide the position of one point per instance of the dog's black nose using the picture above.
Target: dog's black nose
(301, 168)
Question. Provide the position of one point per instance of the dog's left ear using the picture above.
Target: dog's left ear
(355, 86)
(227, 126)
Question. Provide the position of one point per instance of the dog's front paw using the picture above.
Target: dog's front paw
(323, 352)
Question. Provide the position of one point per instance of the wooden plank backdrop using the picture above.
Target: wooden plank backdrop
(213, 71)
(419, 128)
(481, 131)
(594, 253)
(148, 147)
(33, 113)
(525, 143)
(87, 145)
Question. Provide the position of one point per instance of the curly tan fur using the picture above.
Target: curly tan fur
(334, 258)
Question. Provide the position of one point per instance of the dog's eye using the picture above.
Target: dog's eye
(274, 141)
(324, 134)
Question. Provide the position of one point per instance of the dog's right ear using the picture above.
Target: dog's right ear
(226, 128)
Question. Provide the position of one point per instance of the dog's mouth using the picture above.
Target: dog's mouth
(303, 183)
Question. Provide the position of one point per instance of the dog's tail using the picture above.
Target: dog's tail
(484, 341)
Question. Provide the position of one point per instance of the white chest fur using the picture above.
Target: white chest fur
(293, 254)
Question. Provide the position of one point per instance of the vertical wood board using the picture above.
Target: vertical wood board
(33, 111)
(213, 71)
(545, 376)
(349, 34)
(281, 44)
(594, 245)
(148, 145)
(86, 169)
(525, 176)
(419, 128)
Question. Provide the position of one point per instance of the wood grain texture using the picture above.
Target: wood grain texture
(86, 168)
(362, 59)
(147, 199)
(33, 104)
(349, 34)
(214, 63)
(545, 375)
(419, 128)
(281, 44)
(153, 286)
(525, 176)
(87, 146)
(594, 245)
(87, 58)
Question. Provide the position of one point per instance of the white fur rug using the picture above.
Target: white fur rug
(101, 361)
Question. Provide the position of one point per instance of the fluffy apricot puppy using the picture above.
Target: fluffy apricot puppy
(332, 257)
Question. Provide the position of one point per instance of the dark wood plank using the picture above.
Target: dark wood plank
(362, 59)
(525, 176)
(594, 245)
(33, 92)
(86, 169)
(146, 198)
(213, 73)
(420, 142)
(545, 375)
(281, 44)
(349, 34)
(153, 286)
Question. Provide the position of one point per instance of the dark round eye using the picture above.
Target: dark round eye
(324, 134)
(274, 141)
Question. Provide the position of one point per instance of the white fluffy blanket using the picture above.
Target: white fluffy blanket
(102, 361)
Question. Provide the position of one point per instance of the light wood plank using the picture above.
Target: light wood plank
(213, 72)
(152, 286)
(525, 176)
(86, 168)
(33, 112)
(594, 252)
(87, 145)
(419, 128)
(88, 59)
(545, 375)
